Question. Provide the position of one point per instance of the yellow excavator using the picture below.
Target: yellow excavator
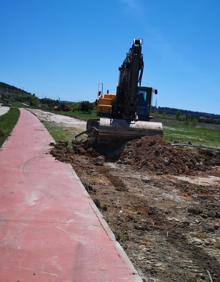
(126, 114)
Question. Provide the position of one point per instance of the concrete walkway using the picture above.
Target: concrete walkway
(50, 230)
(3, 110)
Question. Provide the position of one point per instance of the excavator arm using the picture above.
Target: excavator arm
(130, 76)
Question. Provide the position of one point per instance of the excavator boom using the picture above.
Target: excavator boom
(130, 76)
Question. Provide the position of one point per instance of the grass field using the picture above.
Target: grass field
(79, 114)
(7, 123)
(197, 133)
(196, 136)
(58, 132)
(174, 131)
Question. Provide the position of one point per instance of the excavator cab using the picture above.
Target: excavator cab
(144, 101)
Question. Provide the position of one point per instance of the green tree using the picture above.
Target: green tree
(86, 106)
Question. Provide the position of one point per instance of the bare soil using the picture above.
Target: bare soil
(161, 203)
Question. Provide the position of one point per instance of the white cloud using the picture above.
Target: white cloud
(130, 3)
(133, 5)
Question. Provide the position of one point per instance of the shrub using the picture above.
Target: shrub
(86, 106)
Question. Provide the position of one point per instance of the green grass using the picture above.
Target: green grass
(197, 136)
(162, 116)
(197, 133)
(7, 123)
(59, 133)
(20, 105)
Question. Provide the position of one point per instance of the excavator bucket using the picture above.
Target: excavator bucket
(105, 130)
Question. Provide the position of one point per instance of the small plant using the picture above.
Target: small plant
(2, 134)
(7, 123)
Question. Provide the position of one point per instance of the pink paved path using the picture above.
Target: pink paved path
(50, 230)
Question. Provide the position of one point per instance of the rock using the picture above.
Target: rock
(104, 208)
(142, 227)
(209, 228)
(217, 244)
(194, 210)
(99, 160)
(212, 214)
(97, 203)
(146, 179)
(196, 241)
(167, 161)
(209, 241)
(90, 150)
(88, 187)
(81, 150)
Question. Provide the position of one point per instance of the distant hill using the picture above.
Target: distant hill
(9, 89)
(10, 94)
(201, 116)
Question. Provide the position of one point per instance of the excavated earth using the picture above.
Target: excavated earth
(162, 203)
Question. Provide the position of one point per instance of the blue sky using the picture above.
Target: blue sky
(65, 48)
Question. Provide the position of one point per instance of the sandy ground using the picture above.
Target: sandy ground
(3, 110)
(62, 120)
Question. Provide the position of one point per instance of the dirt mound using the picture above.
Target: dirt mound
(149, 153)
(61, 151)
(154, 154)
